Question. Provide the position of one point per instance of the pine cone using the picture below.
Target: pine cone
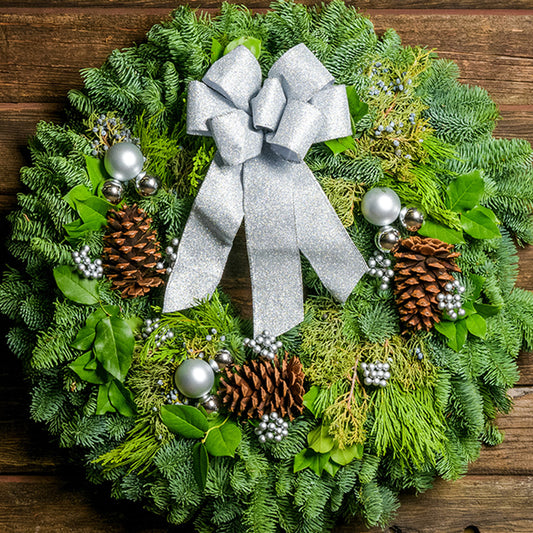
(423, 267)
(261, 387)
(131, 252)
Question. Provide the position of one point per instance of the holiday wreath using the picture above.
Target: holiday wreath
(382, 378)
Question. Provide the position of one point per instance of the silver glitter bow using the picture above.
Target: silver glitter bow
(262, 132)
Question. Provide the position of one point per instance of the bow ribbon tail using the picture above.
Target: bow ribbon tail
(215, 218)
(323, 239)
(272, 244)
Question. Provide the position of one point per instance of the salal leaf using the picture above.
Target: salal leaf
(346, 456)
(217, 50)
(87, 368)
(338, 146)
(320, 440)
(223, 440)
(121, 398)
(480, 223)
(84, 339)
(303, 459)
(309, 399)
(331, 468)
(443, 233)
(200, 463)
(75, 288)
(358, 108)
(477, 325)
(96, 171)
(465, 191)
(113, 346)
(253, 44)
(487, 310)
(185, 420)
(103, 405)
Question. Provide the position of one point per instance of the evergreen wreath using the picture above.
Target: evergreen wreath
(366, 399)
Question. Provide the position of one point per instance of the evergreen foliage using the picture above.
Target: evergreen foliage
(436, 412)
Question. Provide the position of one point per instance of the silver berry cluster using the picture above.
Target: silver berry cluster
(109, 130)
(272, 427)
(380, 267)
(171, 397)
(172, 255)
(451, 299)
(150, 325)
(376, 373)
(264, 345)
(86, 267)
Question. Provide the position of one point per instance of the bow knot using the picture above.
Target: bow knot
(263, 132)
(296, 106)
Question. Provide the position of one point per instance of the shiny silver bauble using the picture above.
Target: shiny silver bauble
(411, 218)
(381, 206)
(210, 403)
(123, 161)
(387, 238)
(113, 191)
(223, 359)
(147, 185)
(194, 378)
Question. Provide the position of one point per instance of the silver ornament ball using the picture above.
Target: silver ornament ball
(113, 191)
(123, 161)
(381, 206)
(194, 378)
(387, 238)
(411, 218)
(223, 359)
(210, 404)
(147, 185)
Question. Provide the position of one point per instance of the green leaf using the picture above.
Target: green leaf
(337, 146)
(135, 323)
(469, 309)
(477, 325)
(77, 194)
(487, 310)
(477, 282)
(462, 334)
(113, 346)
(447, 329)
(310, 397)
(77, 229)
(84, 339)
(253, 44)
(320, 440)
(96, 171)
(465, 191)
(331, 468)
(87, 368)
(346, 456)
(319, 462)
(200, 463)
(216, 50)
(303, 459)
(121, 398)
(223, 440)
(479, 223)
(184, 420)
(358, 108)
(103, 405)
(99, 314)
(75, 288)
(438, 231)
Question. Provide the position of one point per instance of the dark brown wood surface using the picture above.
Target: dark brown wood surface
(43, 44)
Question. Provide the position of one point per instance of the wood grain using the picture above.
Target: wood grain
(500, 57)
(261, 4)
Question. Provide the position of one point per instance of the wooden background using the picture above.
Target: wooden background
(44, 43)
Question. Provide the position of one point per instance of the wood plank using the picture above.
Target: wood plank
(497, 59)
(261, 4)
(491, 51)
(47, 504)
(493, 504)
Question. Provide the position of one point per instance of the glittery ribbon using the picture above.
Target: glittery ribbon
(262, 132)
